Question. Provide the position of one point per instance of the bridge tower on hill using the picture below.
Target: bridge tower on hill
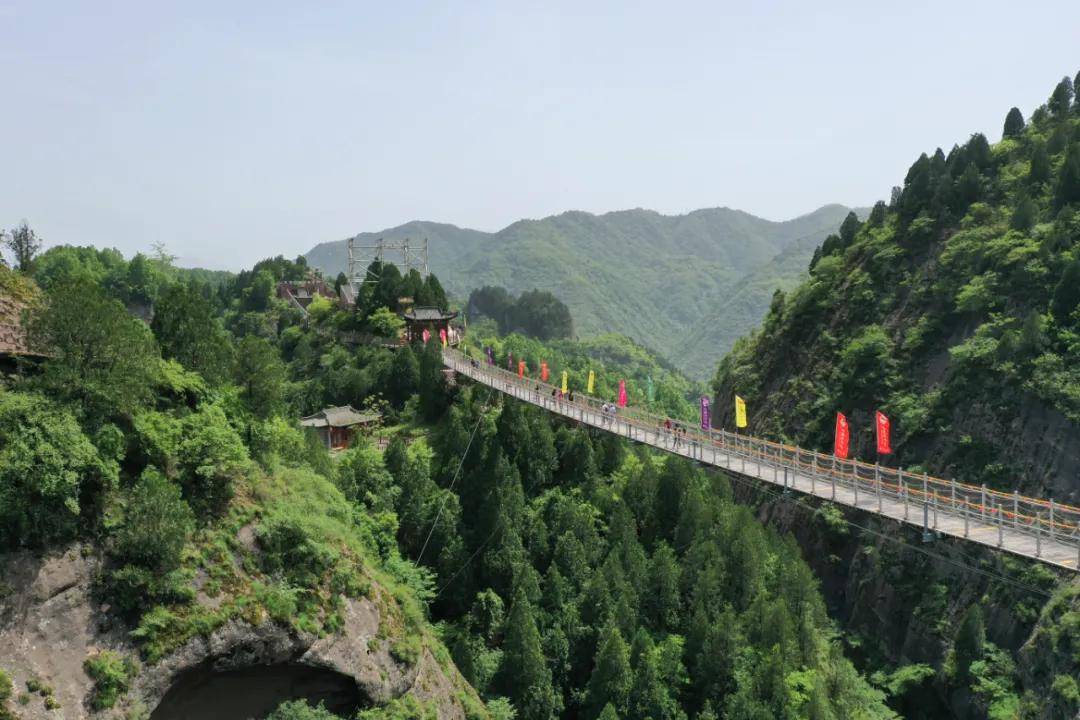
(406, 254)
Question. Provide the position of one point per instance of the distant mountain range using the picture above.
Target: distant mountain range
(685, 285)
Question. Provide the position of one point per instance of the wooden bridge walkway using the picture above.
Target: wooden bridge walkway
(1041, 530)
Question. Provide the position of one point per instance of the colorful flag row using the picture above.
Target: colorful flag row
(842, 433)
(882, 431)
(545, 374)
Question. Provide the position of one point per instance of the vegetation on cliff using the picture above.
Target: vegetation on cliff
(953, 309)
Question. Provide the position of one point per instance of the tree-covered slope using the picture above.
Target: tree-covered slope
(659, 279)
(953, 309)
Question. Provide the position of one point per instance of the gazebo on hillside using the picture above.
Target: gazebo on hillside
(336, 426)
(432, 319)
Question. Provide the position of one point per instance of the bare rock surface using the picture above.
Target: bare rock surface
(50, 623)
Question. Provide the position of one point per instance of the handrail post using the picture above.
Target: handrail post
(901, 489)
(1001, 526)
(937, 502)
(952, 494)
(813, 474)
(832, 476)
(1038, 535)
(925, 519)
(877, 482)
(982, 501)
(965, 520)
(1016, 509)
(855, 484)
(1051, 525)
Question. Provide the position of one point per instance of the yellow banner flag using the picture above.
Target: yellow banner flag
(592, 381)
(740, 412)
(564, 386)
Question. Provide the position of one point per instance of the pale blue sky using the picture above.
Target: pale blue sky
(232, 131)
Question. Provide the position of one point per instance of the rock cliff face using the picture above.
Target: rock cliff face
(900, 600)
(50, 623)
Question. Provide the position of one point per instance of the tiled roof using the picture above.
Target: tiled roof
(345, 416)
(428, 313)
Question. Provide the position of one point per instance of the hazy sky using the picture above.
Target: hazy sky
(232, 131)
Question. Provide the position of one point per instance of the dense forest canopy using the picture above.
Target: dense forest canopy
(536, 313)
(570, 575)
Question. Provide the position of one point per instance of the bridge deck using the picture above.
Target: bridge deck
(1028, 527)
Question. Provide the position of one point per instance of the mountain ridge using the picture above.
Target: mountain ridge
(660, 279)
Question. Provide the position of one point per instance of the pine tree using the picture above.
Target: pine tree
(970, 640)
(713, 665)
(1066, 294)
(524, 675)
(1014, 124)
(1068, 184)
(404, 378)
(1024, 214)
(185, 325)
(648, 696)
(1061, 99)
(877, 214)
(609, 684)
(662, 597)
(849, 228)
(608, 713)
(1040, 164)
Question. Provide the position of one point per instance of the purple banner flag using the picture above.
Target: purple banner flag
(510, 361)
(705, 413)
(491, 355)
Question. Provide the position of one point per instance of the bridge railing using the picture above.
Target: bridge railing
(976, 505)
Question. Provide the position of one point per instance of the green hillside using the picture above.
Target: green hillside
(954, 309)
(687, 285)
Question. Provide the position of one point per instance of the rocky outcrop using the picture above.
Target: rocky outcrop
(50, 623)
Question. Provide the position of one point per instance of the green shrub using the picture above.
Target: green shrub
(212, 457)
(292, 550)
(48, 470)
(300, 710)
(112, 675)
(407, 650)
(1066, 689)
(156, 524)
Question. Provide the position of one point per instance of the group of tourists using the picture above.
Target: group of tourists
(608, 411)
(675, 432)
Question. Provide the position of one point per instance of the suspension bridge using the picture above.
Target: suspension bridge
(1033, 528)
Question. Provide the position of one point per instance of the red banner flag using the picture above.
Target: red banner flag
(544, 373)
(622, 393)
(843, 436)
(521, 368)
(426, 335)
(884, 446)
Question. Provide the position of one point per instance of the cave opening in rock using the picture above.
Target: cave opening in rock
(253, 692)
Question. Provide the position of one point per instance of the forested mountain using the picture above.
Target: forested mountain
(703, 278)
(955, 310)
(952, 309)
